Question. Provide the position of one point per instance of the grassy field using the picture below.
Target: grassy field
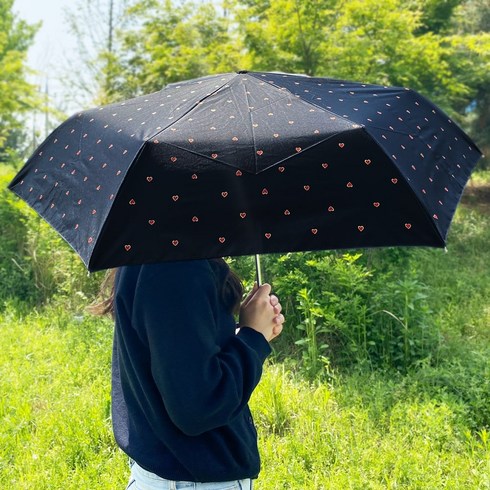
(359, 428)
(366, 431)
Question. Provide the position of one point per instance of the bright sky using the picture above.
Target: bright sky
(53, 43)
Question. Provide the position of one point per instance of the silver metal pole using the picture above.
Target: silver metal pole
(258, 269)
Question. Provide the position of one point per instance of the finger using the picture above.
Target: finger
(274, 300)
(279, 319)
(276, 331)
(278, 309)
(263, 291)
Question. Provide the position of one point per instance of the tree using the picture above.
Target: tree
(395, 42)
(94, 24)
(171, 41)
(18, 96)
(471, 43)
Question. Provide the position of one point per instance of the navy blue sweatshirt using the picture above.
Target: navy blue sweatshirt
(181, 377)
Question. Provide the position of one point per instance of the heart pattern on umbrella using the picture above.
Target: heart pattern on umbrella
(247, 163)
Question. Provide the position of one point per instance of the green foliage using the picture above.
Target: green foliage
(36, 264)
(367, 430)
(17, 95)
(55, 405)
(347, 312)
(171, 43)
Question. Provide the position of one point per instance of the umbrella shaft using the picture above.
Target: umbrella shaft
(258, 269)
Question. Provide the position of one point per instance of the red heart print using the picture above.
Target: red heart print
(341, 145)
(98, 187)
(314, 231)
(127, 248)
(281, 169)
(173, 159)
(238, 173)
(222, 239)
(267, 235)
(234, 138)
(224, 194)
(260, 152)
(287, 212)
(132, 202)
(435, 216)
(94, 211)
(214, 155)
(376, 204)
(175, 242)
(151, 222)
(265, 192)
(360, 228)
(79, 202)
(175, 198)
(194, 176)
(276, 135)
(298, 149)
(243, 215)
(325, 165)
(331, 209)
(408, 226)
(394, 181)
(306, 187)
(350, 184)
(90, 240)
(190, 140)
(149, 178)
(195, 219)
(367, 161)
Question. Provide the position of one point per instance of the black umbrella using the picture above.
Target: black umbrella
(249, 163)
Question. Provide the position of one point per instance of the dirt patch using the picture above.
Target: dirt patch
(477, 196)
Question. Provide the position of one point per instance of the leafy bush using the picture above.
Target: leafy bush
(36, 264)
(342, 311)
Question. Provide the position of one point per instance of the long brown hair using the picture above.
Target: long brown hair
(231, 291)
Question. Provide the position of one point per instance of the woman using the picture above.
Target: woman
(183, 373)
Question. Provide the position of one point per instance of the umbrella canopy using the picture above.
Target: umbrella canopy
(245, 163)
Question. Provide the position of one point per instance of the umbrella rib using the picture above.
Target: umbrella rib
(189, 110)
(252, 128)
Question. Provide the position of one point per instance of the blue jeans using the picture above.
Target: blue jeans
(141, 479)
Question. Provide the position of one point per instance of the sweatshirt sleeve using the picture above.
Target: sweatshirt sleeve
(203, 385)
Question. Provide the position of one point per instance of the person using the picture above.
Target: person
(183, 372)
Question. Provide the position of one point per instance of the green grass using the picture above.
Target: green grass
(367, 431)
(54, 410)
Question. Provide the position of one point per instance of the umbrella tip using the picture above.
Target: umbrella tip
(241, 72)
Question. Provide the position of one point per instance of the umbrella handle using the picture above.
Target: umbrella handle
(258, 269)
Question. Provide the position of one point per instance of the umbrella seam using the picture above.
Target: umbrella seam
(190, 109)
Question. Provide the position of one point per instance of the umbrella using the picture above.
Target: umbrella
(250, 163)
